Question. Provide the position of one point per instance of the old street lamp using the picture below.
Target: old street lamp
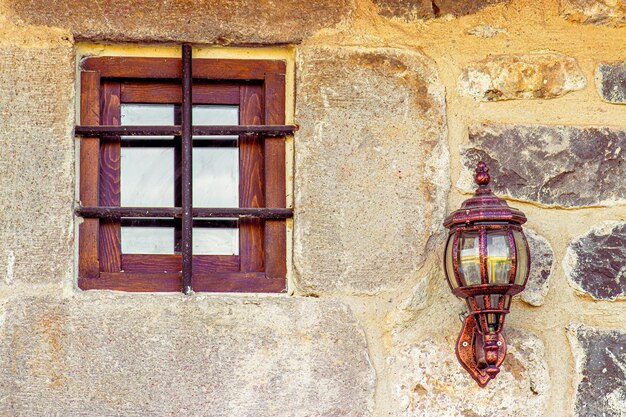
(487, 261)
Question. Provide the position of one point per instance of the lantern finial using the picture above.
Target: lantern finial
(482, 177)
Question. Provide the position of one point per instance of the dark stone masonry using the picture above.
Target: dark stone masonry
(597, 261)
(427, 9)
(601, 356)
(565, 166)
(611, 82)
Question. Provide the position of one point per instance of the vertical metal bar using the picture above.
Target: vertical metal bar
(186, 157)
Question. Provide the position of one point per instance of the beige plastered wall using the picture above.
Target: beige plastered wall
(529, 26)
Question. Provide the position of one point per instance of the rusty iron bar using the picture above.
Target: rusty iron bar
(186, 246)
(177, 130)
(113, 213)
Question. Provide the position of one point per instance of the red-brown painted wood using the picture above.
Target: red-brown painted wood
(172, 282)
(229, 83)
(251, 180)
(173, 263)
(163, 68)
(167, 93)
(275, 181)
(88, 264)
(110, 151)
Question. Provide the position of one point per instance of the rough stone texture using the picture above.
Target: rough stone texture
(554, 165)
(542, 258)
(510, 77)
(102, 355)
(36, 156)
(406, 311)
(431, 382)
(596, 262)
(611, 82)
(601, 366)
(595, 12)
(428, 9)
(371, 167)
(210, 21)
(486, 31)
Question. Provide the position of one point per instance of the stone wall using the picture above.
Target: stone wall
(396, 101)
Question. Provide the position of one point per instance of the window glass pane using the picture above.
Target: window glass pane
(139, 114)
(215, 115)
(469, 258)
(147, 114)
(215, 177)
(147, 177)
(215, 241)
(498, 257)
(148, 240)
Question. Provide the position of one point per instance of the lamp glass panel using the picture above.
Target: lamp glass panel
(493, 320)
(449, 264)
(469, 258)
(522, 258)
(499, 257)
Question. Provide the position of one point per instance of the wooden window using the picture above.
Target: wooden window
(182, 174)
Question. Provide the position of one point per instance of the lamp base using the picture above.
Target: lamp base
(471, 351)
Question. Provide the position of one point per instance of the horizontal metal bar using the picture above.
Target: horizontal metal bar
(177, 212)
(176, 130)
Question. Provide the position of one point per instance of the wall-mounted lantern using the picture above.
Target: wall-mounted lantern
(487, 261)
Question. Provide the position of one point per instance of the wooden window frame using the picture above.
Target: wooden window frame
(258, 86)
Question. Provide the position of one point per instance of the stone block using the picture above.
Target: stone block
(594, 12)
(566, 166)
(595, 263)
(429, 381)
(37, 155)
(530, 76)
(611, 82)
(542, 260)
(486, 31)
(601, 366)
(99, 354)
(206, 21)
(429, 9)
(371, 167)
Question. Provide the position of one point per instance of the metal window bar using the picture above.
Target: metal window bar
(115, 213)
(186, 130)
(186, 156)
(177, 130)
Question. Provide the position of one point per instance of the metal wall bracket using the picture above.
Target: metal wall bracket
(481, 355)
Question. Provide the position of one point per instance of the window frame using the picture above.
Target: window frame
(262, 257)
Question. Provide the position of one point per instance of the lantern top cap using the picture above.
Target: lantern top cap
(484, 206)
